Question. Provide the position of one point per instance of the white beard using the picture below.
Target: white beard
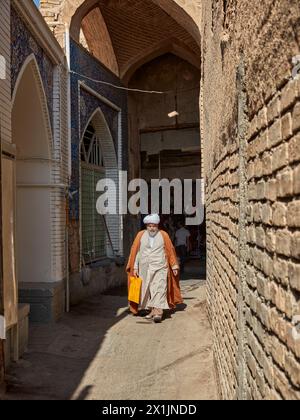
(152, 234)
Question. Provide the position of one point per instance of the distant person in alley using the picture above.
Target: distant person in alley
(182, 241)
(153, 258)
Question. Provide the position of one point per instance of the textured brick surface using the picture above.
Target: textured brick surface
(257, 357)
(273, 261)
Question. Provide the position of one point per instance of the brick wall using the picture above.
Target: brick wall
(251, 123)
(273, 237)
(270, 296)
(222, 268)
(57, 13)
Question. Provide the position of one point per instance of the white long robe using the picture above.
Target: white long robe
(152, 266)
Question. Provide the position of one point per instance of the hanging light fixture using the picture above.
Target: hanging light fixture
(173, 114)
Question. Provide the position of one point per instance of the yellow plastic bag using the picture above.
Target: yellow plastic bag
(135, 286)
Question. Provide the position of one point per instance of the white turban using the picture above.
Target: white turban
(152, 218)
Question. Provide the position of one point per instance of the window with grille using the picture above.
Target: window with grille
(92, 224)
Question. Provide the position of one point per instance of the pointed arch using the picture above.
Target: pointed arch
(32, 135)
(170, 46)
(30, 65)
(110, 160)
(107, 143)
(186, 13)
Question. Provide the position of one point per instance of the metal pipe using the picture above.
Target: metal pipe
(68, 55)
(2, 337)
(67, 198)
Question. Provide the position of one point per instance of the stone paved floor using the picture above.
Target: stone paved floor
(99, 351)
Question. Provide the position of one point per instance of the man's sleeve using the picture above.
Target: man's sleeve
(133, 251)
(187, 238)
(137, 260)
(174, 262)
(175, 240)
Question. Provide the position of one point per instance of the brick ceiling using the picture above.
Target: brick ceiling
(136, 27)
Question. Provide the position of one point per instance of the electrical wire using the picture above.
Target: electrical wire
(132, 89)
(118, 87)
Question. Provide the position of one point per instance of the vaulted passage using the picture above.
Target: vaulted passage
(164, 147)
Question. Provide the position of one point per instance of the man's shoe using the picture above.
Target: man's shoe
(157, 319)
(158, 313)
(150, 315)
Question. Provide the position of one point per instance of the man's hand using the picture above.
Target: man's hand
(136, 273)
(175, 272)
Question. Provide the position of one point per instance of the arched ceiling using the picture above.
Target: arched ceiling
(122, 34)
(98, 40)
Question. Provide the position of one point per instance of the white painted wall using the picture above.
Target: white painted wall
(33, 205)
(33, 235)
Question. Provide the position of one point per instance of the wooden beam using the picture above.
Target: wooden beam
(169, 128)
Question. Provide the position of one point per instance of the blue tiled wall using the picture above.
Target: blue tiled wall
(23, 44)
(85, 64)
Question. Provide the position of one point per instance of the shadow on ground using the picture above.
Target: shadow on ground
(88, 353)
(59, 354)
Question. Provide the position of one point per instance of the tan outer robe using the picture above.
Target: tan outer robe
(152, 266)
(173, 293)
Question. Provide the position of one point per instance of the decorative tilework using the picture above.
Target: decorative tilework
(83, 63)
(23, 44)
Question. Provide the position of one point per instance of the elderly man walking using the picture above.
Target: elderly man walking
(153, 258)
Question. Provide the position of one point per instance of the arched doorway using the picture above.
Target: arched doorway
(31, 133)
(164, 143)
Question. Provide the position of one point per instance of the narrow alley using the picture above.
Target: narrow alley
(147, 144)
